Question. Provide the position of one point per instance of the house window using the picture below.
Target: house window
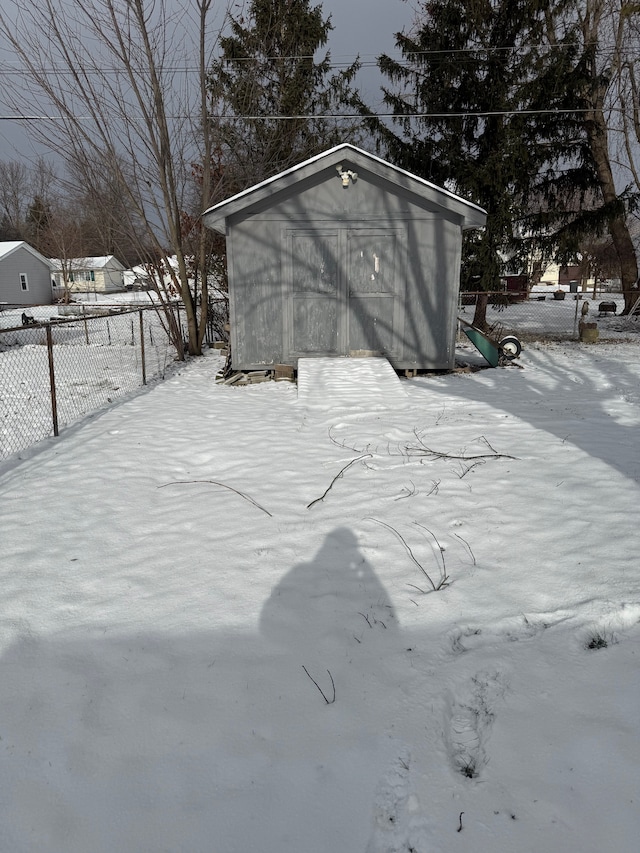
(24, 282)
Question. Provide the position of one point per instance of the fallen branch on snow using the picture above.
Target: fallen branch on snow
(422, 450)
(337, 477)
(223, 486)
(328, 701)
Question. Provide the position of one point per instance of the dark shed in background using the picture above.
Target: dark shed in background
(344, 255)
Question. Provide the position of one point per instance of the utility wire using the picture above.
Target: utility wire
(233, 117)
(471, 52)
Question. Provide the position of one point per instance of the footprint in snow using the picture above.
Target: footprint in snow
(398, 826)
(469, 721)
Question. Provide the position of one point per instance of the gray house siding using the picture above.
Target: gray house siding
(17, 264)
(319, 269)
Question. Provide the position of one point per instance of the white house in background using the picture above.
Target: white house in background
(88, 275)
(561, 278)
(25, 275)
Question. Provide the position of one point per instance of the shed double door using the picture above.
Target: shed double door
(343, 292)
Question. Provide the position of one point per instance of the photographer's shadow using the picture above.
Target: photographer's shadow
(331, 610)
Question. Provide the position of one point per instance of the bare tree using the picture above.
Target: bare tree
(112, 82)
(608, 25)
(63, 241)
(15, 195)
(20, 185)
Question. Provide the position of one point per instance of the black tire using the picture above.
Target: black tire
(510, 347)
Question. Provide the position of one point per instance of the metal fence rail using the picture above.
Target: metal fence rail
(55, 370)
(543, 315)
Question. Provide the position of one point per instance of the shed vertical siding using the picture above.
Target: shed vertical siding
(318, 266)
(431, 293)
(256, 300)
(317, 276)
(376, 271)
(313, 288)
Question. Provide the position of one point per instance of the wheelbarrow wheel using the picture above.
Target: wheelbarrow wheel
(510, 347)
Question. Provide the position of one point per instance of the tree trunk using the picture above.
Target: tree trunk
(596, 125)
(480, 314)
(617, 223)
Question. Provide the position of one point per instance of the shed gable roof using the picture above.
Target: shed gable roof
(472, 215)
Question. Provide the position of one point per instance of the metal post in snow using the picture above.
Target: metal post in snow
(52, 380)
(144, 368)
(86, 327)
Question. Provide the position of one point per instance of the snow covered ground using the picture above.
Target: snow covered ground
(95, 363)
(559, 319)
(219, 630)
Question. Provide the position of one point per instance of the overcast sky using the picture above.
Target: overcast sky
(366, 28)
(361, 27)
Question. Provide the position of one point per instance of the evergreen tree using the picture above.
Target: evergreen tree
(271, 93)
(466, 98)
(38, 221)
(578, 197)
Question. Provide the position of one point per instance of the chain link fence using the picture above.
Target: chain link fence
(55, 369)
(552, 313)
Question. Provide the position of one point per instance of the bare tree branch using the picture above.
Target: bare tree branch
(123, 109)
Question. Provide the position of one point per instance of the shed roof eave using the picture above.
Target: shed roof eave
(216, 216)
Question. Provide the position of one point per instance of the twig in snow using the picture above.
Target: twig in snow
(421, 449)
(328, 701)
(344, 444)
(492, 449)
(223, 486)
(409, 492)
(457, 535)
(434, 488)
(412, 555)
(337, 477)
(445, 579)
(460, 825)
(465, 470)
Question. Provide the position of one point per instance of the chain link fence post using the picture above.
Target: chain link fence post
(52, 379)
(142, 359)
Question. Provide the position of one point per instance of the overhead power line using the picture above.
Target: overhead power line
(466, 52)
(232, 117)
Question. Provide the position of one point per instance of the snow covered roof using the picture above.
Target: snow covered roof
(473, 215)
(94, 263)
(8, 247)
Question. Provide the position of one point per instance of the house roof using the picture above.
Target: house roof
(10, 246)
(95, 263)
(472, 215)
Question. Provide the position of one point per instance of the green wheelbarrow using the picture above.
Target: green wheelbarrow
(491, 349)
